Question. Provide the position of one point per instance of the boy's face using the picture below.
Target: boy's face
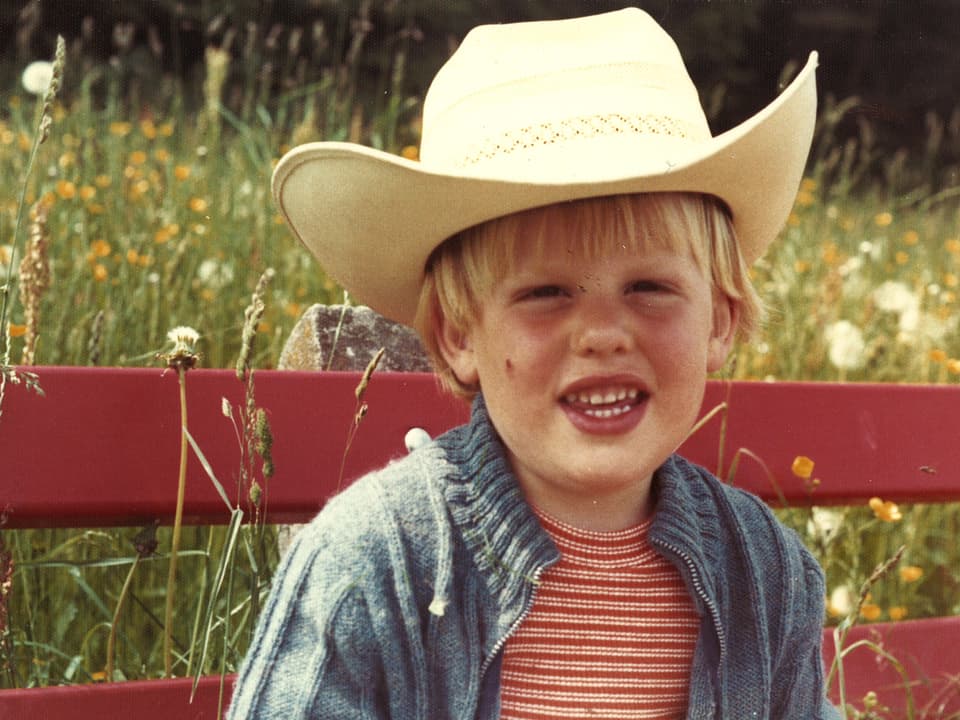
(593, 370)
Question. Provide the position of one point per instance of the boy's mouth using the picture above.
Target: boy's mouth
(605, 403)
(606, 407)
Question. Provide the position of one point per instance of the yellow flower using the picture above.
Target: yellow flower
(181, 172)
(897, 612)
(68, 159)
(100, 248)
(805, 198)
(870, 611)
(801, 266)
(802, 467)
(17, 330)
(902, 257)
(102, 181)
(911, 237)
(96, 209)
(99, 272)
(883, 219)
(793, 220)
(198, 205)
(911, 573)
(885, 510)
(950, 279)
(952, 245)
(808, 184)
(87, 192)
(953, 366)
(120, 129)
(132, 256)
(66, 189)
(148, 129)
(138, 157)
(98, 676)
(166, 129)
(410, 152)
(161, 155)
(938, 356)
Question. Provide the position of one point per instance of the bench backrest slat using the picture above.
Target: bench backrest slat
(102, 447)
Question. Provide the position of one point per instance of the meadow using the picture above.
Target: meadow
(146, 217)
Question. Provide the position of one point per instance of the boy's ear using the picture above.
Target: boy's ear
(457, 350)
(726, 319)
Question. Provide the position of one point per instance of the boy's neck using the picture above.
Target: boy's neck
(610, 512)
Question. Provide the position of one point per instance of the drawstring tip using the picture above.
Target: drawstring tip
(438, 607)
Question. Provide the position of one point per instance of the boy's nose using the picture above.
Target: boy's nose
(602, 331)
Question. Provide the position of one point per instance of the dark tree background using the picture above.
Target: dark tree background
(899, 57)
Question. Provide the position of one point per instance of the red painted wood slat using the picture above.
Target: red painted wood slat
(101, 448)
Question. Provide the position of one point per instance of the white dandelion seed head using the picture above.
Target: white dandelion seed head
(184, 340)
(215, 274)
(894, 296)
(845, 345)
(841, 601)
(37, 76)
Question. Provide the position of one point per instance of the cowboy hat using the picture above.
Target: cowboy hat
(529, 114)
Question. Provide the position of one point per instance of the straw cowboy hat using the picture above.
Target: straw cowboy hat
(529, 114)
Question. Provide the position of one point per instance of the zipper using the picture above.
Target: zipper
(701, 593)
(498, 646)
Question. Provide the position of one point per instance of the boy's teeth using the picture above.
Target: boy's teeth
(602, 397)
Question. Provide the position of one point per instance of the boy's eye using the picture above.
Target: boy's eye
(646, 286)
(545, 291)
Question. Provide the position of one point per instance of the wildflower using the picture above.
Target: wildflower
(938, 356)
(410, 152)
(148, 129)
(67, 160)
(161, 155)
(138, 157)
(132, 256)
(911, 237)
(102, 181)
(805, 198)
(870, 611)
(99, 272)
(16, 330)
(198, 205)
(166, 129)
(911, 573)
(215, 275)
(952, 245)
(802, 467)
(120, 128)
(66, 189)
(885, 510)
(950, 279)
(845, 345)
(901, 257)
(893, 296)
(824, 522)
(100, 248)
(87, 192)
(184, 353)
(883, 219)
(37, 76)
(897, 612)
(840, 602)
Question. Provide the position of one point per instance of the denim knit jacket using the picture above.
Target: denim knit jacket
(396, 601)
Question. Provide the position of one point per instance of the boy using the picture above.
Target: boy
(573, 250)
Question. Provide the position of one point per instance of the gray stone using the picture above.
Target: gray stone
(315, 343)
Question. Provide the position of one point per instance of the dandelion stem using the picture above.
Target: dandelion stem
(177, 522)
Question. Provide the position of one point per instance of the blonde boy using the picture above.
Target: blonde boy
(573, 250)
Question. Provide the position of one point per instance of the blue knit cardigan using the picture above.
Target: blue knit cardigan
(396, 601)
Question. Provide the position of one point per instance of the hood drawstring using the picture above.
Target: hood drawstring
(415, 438)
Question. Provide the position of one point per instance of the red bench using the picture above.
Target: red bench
(870, 440)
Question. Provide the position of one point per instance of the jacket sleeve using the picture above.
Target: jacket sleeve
(312, 654)
(799, 691)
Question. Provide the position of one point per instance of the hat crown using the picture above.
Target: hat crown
(512, 94)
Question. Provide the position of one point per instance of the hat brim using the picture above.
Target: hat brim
(372, 218)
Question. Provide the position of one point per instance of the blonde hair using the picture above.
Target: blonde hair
(463, 270)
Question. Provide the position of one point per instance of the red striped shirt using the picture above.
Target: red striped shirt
(611, 633)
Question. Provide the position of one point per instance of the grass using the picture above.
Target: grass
(156, 216)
